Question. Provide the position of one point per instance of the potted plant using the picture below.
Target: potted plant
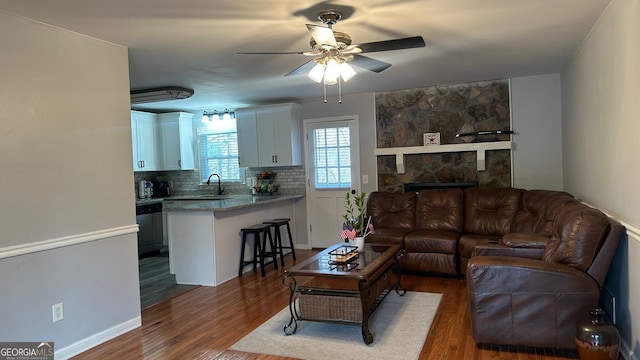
(356, 223)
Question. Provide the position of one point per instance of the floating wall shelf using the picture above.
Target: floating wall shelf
(480, 148)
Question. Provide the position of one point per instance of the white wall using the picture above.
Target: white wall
(601, 152)
(67, 212)
(362, 105)
(536, 114)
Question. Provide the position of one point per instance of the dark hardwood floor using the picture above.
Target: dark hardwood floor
(156, 283)
(204, 322)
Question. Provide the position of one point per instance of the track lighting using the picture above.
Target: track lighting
(215, 115)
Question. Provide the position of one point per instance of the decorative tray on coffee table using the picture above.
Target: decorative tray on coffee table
(343, 255)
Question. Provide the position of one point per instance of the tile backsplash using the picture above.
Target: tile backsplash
(291, 180)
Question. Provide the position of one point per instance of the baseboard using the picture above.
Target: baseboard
(97, 339)
(627, 352)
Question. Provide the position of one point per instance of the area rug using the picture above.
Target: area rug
(399, 327)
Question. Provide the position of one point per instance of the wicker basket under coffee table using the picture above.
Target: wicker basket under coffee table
(338, 286)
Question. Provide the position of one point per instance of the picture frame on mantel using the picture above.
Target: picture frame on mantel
(431, 138)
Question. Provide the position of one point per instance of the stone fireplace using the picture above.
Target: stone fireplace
(404, 116)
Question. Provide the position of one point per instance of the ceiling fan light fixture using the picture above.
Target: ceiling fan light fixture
(346, 71)
(317, 73)
(332, 72)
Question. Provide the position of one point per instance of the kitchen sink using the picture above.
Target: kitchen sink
(201, 197)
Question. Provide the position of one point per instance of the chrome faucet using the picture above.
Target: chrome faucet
(220, 190)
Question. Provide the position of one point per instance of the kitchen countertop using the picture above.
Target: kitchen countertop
(232, 203)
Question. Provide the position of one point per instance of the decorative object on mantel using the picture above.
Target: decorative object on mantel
(597, 339)
(484, 133)
(431, 138)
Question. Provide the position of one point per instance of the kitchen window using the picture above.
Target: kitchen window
(218, 149)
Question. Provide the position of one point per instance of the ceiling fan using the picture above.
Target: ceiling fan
(331, 48)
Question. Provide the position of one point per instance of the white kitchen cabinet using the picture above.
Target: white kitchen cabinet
(144, 141)
(247, 138)
(276, 136)
(176, 141)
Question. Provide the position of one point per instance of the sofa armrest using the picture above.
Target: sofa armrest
(527, 302)
(522, 240)
(503, 250)
(513, 274)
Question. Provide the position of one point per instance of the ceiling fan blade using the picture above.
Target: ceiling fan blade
(271, 53)
(369, 63)
(395, 44)
(302, 68)
(322, 35)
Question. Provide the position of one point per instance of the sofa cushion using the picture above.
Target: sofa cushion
(439, 209)
(577, 236)
(537, 211)
(490, 211)
(433, 241)
(392, 210)
(387, 236)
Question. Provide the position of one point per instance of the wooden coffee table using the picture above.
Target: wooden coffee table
(327, 289)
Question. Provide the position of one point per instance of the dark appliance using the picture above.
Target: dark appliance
(161, 189)
(149, 219)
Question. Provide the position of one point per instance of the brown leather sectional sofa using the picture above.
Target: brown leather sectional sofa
(534, 260)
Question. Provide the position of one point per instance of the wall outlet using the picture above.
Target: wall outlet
(365, 179)
(58, 312)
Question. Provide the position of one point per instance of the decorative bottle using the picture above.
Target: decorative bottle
(597, 339)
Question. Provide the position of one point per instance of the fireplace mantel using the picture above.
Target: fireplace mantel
(479, 147)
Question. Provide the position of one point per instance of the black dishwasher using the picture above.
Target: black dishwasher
(149, 219)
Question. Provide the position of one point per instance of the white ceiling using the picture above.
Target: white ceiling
(193, 43)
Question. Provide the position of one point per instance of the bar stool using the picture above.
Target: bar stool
(276, 224)
(259, 248)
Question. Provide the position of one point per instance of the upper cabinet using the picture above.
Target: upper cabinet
(269, 136)
(176, 141)
(162, 141)
(247, 138)
(145, 141)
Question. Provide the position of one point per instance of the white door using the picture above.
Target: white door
(333, 158)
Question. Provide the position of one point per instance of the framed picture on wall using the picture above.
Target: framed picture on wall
(432, 138)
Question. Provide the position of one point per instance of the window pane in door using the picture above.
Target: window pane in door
(332, 158)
